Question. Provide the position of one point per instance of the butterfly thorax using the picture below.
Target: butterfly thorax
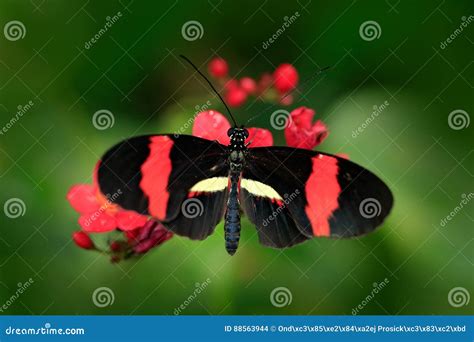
(237, 148)
(237, 138)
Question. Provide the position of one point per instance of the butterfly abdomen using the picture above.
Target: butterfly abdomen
(232, 215)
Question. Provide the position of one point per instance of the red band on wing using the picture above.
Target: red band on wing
(155, 174)
(322, 191)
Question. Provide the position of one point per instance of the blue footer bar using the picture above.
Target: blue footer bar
(236, 328)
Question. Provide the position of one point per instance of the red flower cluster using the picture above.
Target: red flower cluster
(99, 215)
(299, 130)
(269, 87)
(212, 125)
(139, 233)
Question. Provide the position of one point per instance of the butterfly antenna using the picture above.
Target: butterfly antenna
(288, 93)
(212, 87)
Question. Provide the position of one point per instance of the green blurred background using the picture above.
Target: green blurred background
(133, 71)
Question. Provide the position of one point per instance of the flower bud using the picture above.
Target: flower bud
(235, 97)
(83, 240)
(248, 85)
(285, 78)
(218, 67)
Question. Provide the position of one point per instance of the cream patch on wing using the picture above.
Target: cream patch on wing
(260, 189)
(210, 185)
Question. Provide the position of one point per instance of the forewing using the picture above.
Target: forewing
(155, 175)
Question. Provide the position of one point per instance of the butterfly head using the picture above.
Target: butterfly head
(237, 137)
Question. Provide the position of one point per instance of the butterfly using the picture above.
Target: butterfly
(291, 195)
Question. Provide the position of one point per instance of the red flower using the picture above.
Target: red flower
(82, 240)
(152, 234)
(248, 85)
(212, 125)
(98, 214)
(268, 88)
(285, 78)
(260, 137)
(218, 67)
(301, 133)
(129, 220)
(235, 96)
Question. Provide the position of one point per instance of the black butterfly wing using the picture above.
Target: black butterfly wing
(275, 226)
(199, 215)
(323, 195)
(157, 175)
